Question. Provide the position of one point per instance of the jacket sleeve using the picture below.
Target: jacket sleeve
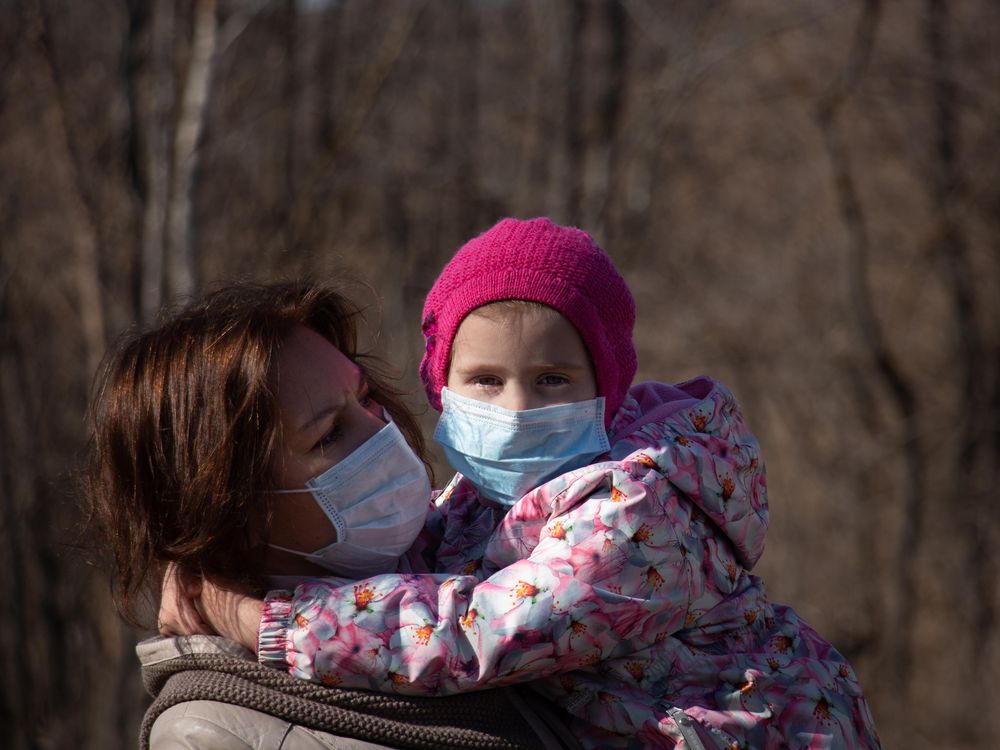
(590, 565)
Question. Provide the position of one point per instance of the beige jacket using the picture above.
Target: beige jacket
(214, 725)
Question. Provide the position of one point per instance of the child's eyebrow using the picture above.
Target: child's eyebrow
(562, 365)
(476, 365)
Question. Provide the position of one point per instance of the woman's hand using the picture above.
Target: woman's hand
(179, 614)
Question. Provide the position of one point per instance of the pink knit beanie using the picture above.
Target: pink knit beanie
(538, 261)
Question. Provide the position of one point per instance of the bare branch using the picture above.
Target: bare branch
(182, 275)
(903, 395)
(951, 246)
(89, 245)
(366, 96)
(157, 155)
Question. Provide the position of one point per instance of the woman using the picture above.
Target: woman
(243, 442)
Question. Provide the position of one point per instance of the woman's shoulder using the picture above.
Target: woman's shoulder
(223, 726)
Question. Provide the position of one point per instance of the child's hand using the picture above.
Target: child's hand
(193, 606)
(231, 614)
(179, 613)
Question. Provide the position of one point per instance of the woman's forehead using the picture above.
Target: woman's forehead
(311, 374)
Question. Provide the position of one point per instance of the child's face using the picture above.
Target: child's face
(520, 359)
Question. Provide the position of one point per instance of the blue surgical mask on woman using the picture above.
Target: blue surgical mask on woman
(508, 453)
(377, 499)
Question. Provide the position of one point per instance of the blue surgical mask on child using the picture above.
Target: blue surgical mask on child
(377, 499)
(506, 454)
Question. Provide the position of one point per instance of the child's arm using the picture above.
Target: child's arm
(611, 569)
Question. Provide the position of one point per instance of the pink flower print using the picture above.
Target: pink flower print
(424, 633)
(750, 616)
(822, 710)
(524, 590)
(727, 487)
(700, 421)
(355, 649)
(643, 534)
(654, 578)
(469, 619)
(731, 571)
(636, 669)
(363, 596)
(822, 719)
(397, 679)
(644, 460)
(301, 620)
(471, 567)
(617, 496)
(653, 737)
(593, 565)
(330, 680)
(782, 644)
(557, 531)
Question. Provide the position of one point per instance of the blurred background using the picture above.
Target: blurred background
(804, 197)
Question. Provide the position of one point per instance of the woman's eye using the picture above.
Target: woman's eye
(331, 437)
(365, 397)
(553, 379)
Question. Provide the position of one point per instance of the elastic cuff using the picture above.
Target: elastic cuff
(272, 636)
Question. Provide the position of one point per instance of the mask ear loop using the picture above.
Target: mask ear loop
(339, 525)
(386, 417)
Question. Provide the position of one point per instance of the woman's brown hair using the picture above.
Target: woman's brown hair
(184, 433)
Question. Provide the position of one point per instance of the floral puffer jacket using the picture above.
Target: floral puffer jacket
(621, 590)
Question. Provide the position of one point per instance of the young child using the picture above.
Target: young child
(598, 539)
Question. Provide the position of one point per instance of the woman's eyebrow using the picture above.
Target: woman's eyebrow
(327, 410)
(334, 407)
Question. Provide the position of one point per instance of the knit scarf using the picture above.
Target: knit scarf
(496, 719)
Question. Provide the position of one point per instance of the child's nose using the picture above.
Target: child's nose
(518, 398)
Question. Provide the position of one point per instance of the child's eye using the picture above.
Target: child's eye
(487, 381)
(553, 379)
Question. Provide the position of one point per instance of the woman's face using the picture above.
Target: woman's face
(325, 413)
